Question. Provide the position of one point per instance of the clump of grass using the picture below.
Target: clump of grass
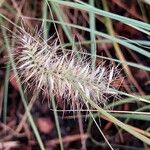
(45, 86)
(44, 67)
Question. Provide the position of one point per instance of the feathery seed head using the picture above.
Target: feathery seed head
(39, 64)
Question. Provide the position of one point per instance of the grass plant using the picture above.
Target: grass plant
(47, 65)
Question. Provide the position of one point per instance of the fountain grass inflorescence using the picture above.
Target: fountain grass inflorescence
(44, 67)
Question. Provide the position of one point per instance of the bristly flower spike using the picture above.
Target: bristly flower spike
(45, 68)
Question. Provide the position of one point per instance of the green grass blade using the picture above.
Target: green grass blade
(6, 84)
(45, 26)
(100, 12)
(60, 15)
(125, 101)
(57, 122)
(92, 34)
